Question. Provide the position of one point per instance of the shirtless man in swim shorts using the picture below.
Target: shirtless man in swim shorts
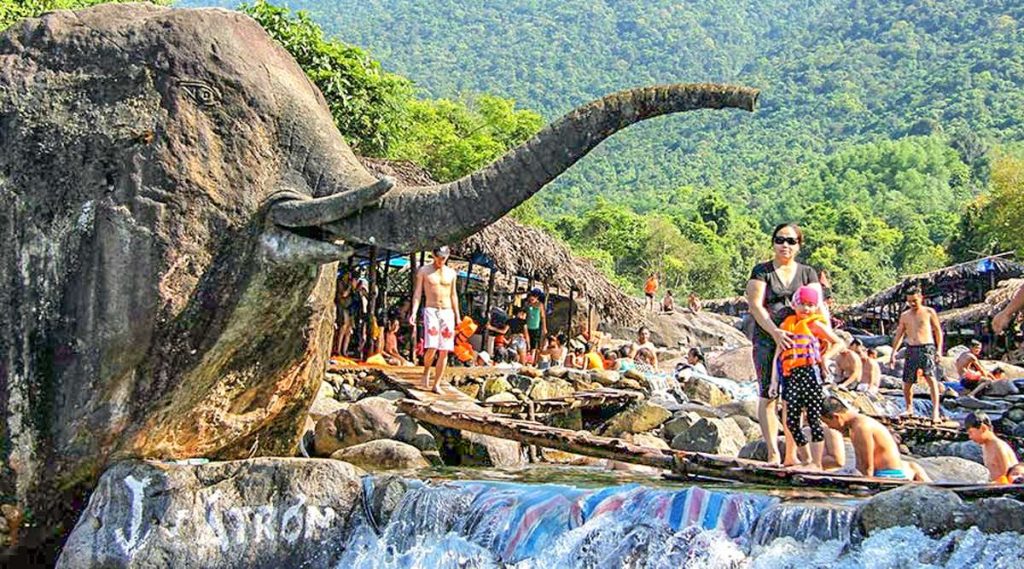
(919, 324)
(849, 366)
(874, 447)
(968, 367)
(437, 282)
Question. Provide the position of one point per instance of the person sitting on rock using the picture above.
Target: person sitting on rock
(997, 454)
(643, 341)
(972, 374)
(390, 351)
(668, 304)
(871, 376)
(592, 359)
(849, 366)
(874, 447)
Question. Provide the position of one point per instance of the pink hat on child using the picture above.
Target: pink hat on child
(807, 294)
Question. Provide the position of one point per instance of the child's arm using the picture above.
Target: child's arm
(835, 343)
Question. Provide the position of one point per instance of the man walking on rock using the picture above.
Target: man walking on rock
(437, 282)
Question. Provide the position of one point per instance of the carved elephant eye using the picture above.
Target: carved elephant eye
(201, 93)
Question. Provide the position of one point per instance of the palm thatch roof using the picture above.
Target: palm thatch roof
(933, 283)
(517, 249)
(995, 300)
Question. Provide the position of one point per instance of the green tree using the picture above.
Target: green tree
(13, 10)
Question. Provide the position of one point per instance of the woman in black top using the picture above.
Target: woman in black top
(769, 290)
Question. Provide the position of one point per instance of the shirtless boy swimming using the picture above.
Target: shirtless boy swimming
(919, 324)
(997, 454)
(874, 447)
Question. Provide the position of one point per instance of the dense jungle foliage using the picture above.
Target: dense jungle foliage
(890, 130)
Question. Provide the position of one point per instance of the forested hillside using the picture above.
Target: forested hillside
(879, 120)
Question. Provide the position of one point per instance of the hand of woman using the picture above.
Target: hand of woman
(782, 338)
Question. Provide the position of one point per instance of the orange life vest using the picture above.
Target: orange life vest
(463, 349)
(806, 350)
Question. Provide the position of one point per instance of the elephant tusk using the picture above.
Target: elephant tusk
(319, 211)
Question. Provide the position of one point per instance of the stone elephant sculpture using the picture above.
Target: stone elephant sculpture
(173, 195)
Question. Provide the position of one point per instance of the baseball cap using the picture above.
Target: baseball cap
(442, 251)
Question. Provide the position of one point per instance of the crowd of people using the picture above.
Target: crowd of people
(799, 358)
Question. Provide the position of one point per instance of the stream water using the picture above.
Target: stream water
(470, 524)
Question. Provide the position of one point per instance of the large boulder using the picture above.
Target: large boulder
(264, 512)
(737, 364)
(681, 421)
(747, 408)
(953, 469)
(324, 406)
(750, 427)
(636, 418)
(682, 329)
(714, 436)
(962, 449)
(550, 389)
(493, 386)
(933, 510)
(465, 448)
(995, 515)
(606, 378)
(703, 391)
(382, 455)
(363, 421)
(412, 433)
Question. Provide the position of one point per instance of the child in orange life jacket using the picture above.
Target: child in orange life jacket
(799, 367)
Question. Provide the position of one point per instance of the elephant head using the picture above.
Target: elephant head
(173, 193)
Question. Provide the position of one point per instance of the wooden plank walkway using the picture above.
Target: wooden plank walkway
(408, 380)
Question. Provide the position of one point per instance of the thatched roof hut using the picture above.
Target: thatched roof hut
(981, 312)
(945, 289)
(514, 249)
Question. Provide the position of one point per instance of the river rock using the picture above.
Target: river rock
(558, 372)
(627, 383)
(750, 428)
(933, 510)
(953, 469)
(493, 386)
(412, 433)
(264, 512)
(982, 404)
(747, 408)
(522, 383)
(384, 497)
(678, 423)
(470, 389)
(577, 376)
(714, 436)
(365, 420)
(962, 449)
(464, 448)
(646, 440)
(700, 409)
(606, 378)
(995, 515)
(635, 375)
(737, 364)
(324, 406)
(636, 418)
(382, 455)
(505, 397)
(999, 389)
(697, 389)
(551, 389)
(392, 395)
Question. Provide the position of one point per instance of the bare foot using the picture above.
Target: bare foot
(936, 419)
(437, 387)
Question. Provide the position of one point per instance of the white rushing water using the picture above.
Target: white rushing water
(477, 524)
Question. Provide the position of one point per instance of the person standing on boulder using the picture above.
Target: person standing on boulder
(769, 289)
(919, 324)
(650, 289)
(437, 282)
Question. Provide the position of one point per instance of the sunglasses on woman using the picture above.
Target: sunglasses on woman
(786, 240)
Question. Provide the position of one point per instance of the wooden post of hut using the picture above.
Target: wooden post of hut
(371, 304)
(572, 306)
(487, 307)
(413, 269)
(384, 280)
(544, 306)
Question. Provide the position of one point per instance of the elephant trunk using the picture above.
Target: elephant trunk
(419, 218)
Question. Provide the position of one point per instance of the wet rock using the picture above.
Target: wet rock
(995, 515)
(412, 433)
(382, 455)
(577, 376)
(470, 389)
(933, 510)
(392, 395)
(505, 397)
(1016, 415)
(678, 423)
(700, 409)
(383, 499)
(551, 389)
(705, 392)
(1018, 431)
(735, 364)
(323, 407)
(558, 372)
(714, 436)
(626, 383)
(521, 383)
(347, 392)
(999, 389)
(604, 377)
(954, 469)
(463, 448)
(493, 386)
(325, 391)
(981, 404)
(636, 418)
(635, 375)
(646, 440)
(757, 450)
(265, 512)
(962, 449)
(365, 420)
(747, 408)
(750, 428)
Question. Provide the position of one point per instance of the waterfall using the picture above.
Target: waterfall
(525, 526)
